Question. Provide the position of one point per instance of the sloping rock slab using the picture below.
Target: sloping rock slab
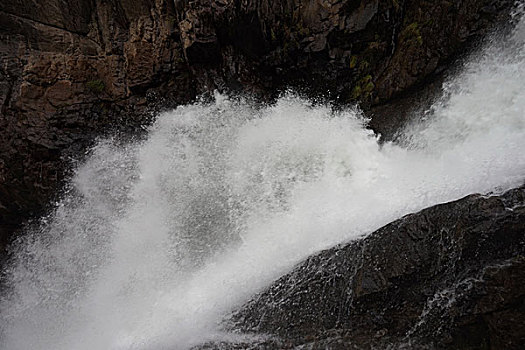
(450, 276)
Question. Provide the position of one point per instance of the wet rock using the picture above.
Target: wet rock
(72, 71)
(451, 276)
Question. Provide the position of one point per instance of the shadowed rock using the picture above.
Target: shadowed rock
(72, 71)
(451, 276)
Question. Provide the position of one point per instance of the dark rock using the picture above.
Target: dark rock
(71, 71)
(451, 276)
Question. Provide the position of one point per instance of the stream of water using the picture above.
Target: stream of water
(157, 240)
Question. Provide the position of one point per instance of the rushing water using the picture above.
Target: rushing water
(157, 240)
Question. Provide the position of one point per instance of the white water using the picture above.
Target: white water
(158, 240)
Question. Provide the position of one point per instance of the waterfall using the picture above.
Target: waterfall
(157, 240)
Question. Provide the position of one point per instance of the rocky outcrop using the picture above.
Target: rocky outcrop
(451, 276)
(73, 70)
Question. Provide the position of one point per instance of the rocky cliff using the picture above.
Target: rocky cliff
(72, 71)
(451, 276)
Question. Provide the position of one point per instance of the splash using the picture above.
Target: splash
(158, 240)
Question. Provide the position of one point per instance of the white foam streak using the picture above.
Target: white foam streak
(158, 240)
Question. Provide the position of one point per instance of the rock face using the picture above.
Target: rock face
(71, 71)
(451, 276)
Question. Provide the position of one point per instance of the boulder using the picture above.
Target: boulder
(451, 276)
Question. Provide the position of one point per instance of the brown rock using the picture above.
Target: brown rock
(73, 70)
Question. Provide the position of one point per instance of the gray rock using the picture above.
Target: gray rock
(451, 276)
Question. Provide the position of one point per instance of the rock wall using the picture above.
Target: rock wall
(451, 276)
(71, 71)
